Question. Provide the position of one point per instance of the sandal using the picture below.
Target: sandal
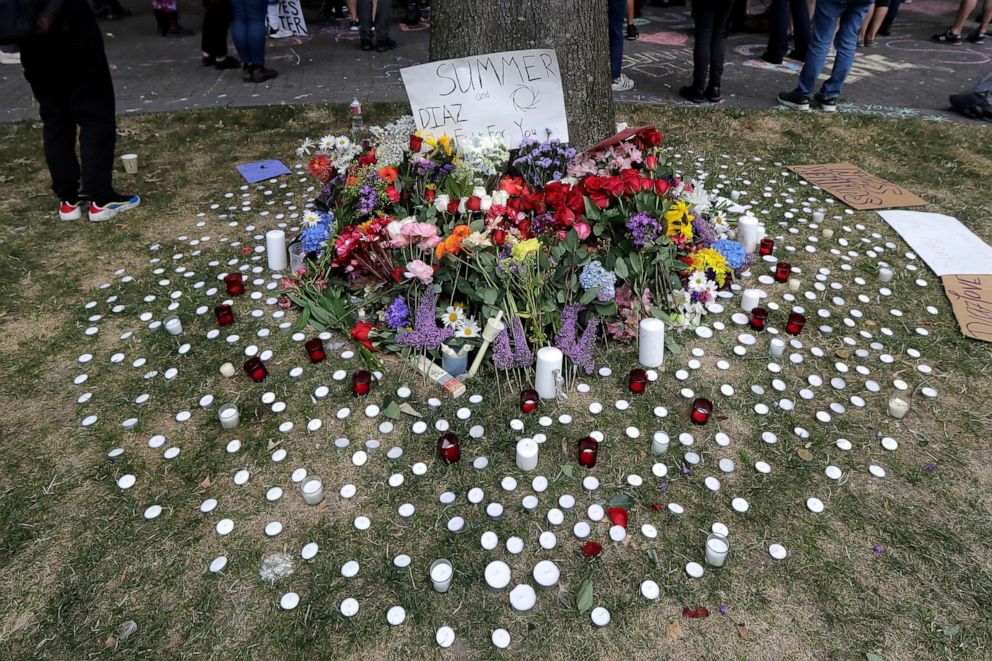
(947, 37)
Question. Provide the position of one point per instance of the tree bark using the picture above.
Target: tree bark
(576, 29)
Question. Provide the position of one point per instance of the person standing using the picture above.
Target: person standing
(275, 28)
(616, 15)
(873, 22)
(217, 17)
(828, 15)
(710, 18)
(249, 32)
(68, 73)
(778, 37)
(381, 14)
(952, 35)
(167, 17)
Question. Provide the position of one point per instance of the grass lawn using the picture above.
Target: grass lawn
(897, 567)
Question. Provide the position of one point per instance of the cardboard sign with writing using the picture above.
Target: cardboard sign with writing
(291, 17)
(857, 188)
(943, 242)
(971, 299)
(507, 96)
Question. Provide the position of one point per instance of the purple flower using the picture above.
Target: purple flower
(425, 334)
(520, 355)
(878, 549)
(929, 467)
(502, 353)
(723, 609)
(397, 315)
(687, 471)
(578, 350)
(703, 231)
(643, 229)
(521, 352)
(663, 487)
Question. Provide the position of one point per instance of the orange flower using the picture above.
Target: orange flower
(351, 180)
(388, 173)
(453, 244)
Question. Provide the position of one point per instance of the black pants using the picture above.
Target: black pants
(890, 17)
(778, 38)
(708, 51)
(383, 16)
(68, 73)
(217, 17)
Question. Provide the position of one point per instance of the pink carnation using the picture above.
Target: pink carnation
(421, 271)
(284, 302)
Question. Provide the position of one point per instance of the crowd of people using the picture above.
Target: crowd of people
(61, 49)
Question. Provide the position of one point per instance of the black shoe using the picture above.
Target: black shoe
(259, 74)
(826, 104)
(228, 63)
(712, 94)
(246, 70)
(179, 31)
(976, 37)
(208, 60)
(366, 44)
(793, 100)
(947, 37)
(382, 45)
(796, 55)
(768, 57)
(690, 93)
(632, 33)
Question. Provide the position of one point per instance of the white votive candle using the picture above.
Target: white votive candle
(751, 298)
(795, 284)
(827, 233)
(549, 366)
(441, 574)
(776, 347)
(818, 215)
(660, 442)
(275, 250)
(312, 490)
(173, 326)
(527, 454)
(885, 274)
(898, 408)
(651, 342)
(717, 548)
(227, 369)
(229, 416)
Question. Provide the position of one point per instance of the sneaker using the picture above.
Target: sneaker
(793, 100)
(366, 44)
(99, 213)
(632, 33)
(70, 210)
(353, 26)
(622, 84)
(826, 104)
(770, 59)
(977, 37)
(281, 33)
(382, 45)
(10, 58)
(947, 37)
(690, 93)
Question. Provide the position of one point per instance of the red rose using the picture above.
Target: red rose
(631, 180)
(429, 195)
(416, 142)
(473, 204)
(554, 193)
(512, 185)
(393, 194)
(453, 205)
(591, 549)
(361, 333)
(618, 516)
(565, 216)
(594, 184)
(600, 200)
(368, 158)
(649, 137)
(613, 186)
(651, 162)
(499, 237)
(661, 186)
(524, 227)
(397, 274)
(694, 613)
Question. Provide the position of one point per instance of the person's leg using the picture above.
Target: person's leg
(703, 17)
(272, 16)
(825, 18)
(799, 10)
(876, 22)
(964, 11)
(986, 18)
(257, 32)
(353, 14)
(632, 33)
(718, 47)
(778, 35)
(845, 44)
(365, 23)
(239, 29)
(615, 16)
(890, 16)
(863, 30)
(383, 18)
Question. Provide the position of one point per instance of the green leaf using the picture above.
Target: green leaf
(672, 345)
(589, 296)
(620, 268)
(302, 320)
(391, 409)
(489, 295)
(621, 500)
(653, 557)
(568, 470)
(584, 599)
(635, 262)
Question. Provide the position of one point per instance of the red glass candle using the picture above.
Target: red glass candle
(255, 368)
(758, 318)
(224, 314)
(449, 448)
(361, 383)
(782, 271)
(235, 284)
(794, 326)
(315, 349)
(637, 381)
(588, 451)
(766, 247)
(701, 410)
(529, 400)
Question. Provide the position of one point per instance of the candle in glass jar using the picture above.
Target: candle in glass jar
(173, 325)
(549, 366)
(885, 274)
(660, 442)
(717, 548)
(441, 573)
(224, 314)
(449, 448)
(315, 349)
(651, 342)
(898, 408)
(229, 416)
(827, 233)
(794, 326)
(637, 381)
(588, 451)
(819, 215)
(361, 383)
(766, 247)
(751, 298)
(529, 400)
(701, 410)
(255, 368)
(777, 347)
(527, 450)
(235, 284)
(794, 284)
(783, 271)
(312, 490)
(758, 318)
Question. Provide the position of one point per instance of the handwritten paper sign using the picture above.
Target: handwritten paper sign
(971, 299)
(947, 246)
(504, 96)
(291, 17)
(856, 188)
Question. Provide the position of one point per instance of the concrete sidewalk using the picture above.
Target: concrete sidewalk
(905, 75)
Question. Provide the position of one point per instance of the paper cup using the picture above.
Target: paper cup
(130, 162)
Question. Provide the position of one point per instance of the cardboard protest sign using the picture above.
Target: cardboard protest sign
(291, 17)
(506, 96)
(971, 300)
(947, 246)
(857, 188)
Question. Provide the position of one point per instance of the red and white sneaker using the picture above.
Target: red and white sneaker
(110, 209)
(70, 211)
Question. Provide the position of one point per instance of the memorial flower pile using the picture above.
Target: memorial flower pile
(422, 241)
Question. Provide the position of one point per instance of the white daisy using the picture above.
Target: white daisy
(311, 218)
(326, 143)
(467, 328)
(452, 316)
(697, 281)
(720, 223)
(711, 288)
(304, 149)
(343, 143)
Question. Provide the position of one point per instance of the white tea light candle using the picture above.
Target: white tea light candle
(549, 367)
(651, 342)
(312, 490)
(275, 250)
(527, 450)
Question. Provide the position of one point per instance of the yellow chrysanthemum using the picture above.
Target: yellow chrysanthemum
(709, 259)
(524, 249)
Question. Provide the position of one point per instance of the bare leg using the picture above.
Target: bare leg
(352, 9)
(864, 25)
(876, 22)
(986, 17)
(630, 12)
(967, 6)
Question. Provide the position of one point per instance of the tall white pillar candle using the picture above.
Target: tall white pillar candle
(717, 548)
(651, 342)
(549, 366)
(275, 250)
(747, 230)
(526, 454)
(751, 298)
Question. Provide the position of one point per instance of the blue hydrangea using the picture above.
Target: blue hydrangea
(594, 275)
(313, 237)
(733, 252)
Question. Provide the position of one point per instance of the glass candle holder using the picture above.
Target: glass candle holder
(315, 349)
(759, 316)
(766, 247)
(794, 326)
(588, 451)
(361, 383)
(224, 314)
(529, 400)
(637, 381)
(717, 548)
(235, 284)
(782, 271)
(255, 368)
(701, 410)
(449, 448)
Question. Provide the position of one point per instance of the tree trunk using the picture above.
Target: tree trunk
(576, 29)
